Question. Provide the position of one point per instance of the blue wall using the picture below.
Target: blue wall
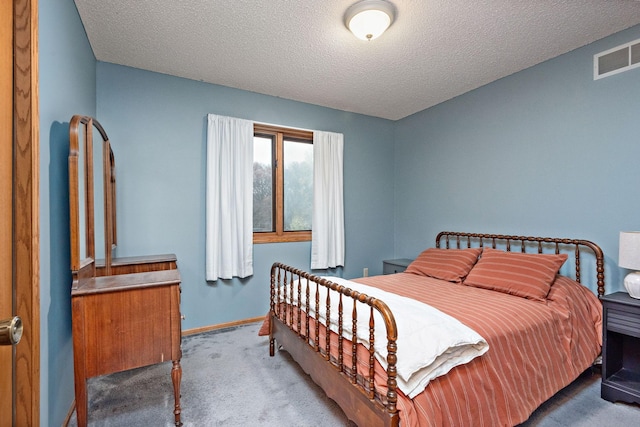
(546, 151)
(157, 125)
(67, 86)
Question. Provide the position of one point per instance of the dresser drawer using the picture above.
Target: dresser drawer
(623, 321)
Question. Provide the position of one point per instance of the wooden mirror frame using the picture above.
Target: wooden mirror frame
(112, 171)
(81, 148)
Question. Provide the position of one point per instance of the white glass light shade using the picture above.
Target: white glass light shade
(368, 19)
(629, 257)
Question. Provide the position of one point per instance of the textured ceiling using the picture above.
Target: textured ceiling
(301, 50)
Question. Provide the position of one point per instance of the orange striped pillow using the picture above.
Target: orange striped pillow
(525, 275)
(451, 265)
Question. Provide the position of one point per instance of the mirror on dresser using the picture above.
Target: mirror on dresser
(104, 201)
(99, 195)
(81, 207)
(91, 168)
(125, 311)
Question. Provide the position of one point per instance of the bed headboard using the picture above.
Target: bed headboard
(467, 240)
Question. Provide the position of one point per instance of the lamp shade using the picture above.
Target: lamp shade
(629, 250)
(368, 19)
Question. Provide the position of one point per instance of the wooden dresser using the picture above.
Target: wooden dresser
(125, 311)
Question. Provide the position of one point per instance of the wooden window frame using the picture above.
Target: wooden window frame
(280, 235)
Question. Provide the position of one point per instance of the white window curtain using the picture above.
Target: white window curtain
(327, 234)
(229, 198)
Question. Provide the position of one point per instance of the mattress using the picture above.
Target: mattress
(535, 349)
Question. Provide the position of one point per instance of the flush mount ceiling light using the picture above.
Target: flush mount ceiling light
(368, 19)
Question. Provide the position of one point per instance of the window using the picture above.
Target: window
(282, 184)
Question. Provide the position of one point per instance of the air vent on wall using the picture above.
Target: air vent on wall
(616, 60)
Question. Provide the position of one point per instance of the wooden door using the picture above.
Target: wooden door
(19, 247)
(6, 204)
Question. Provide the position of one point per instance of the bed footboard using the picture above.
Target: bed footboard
(334, 361)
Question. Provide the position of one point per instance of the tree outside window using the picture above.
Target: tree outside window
(282, 184)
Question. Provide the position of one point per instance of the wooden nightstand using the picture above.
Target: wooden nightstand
(391, 266)
(621, 348)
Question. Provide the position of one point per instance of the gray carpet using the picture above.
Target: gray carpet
(230, 380)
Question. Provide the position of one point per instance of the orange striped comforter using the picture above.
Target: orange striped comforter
(535, 349)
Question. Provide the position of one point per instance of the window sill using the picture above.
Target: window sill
(291, 236)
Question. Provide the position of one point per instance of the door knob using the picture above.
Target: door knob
(10, 331)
